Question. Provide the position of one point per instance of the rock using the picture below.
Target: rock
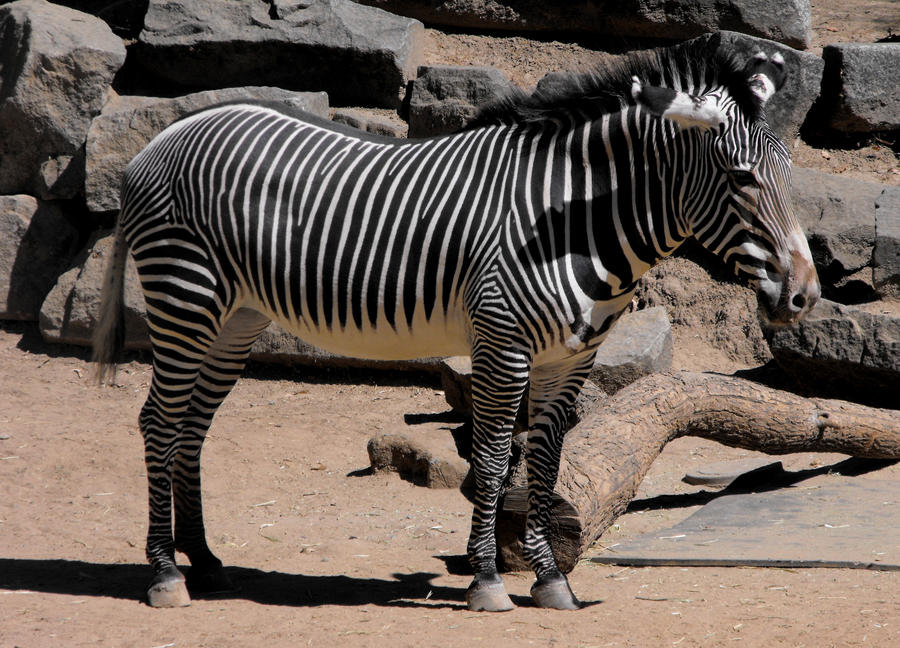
(370, 122)
(37, 242)
(430, 459)
(703, 301)
(127, 124)
(57, 66)
(862, 79)
(639, 344)
(124, 17)
(69, 313)
(886, 256)
(724, 473)
(843, 352)
(359, 55)
(838, 216)
(786, 22)
(445, 97)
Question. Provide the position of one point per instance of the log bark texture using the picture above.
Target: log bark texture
(606, 455)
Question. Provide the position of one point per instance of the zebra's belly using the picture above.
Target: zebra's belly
(424, 339)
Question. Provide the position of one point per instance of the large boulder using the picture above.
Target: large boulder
(37, 241)
(788, 22)
(838, 216)
(861, 82)
(844, 352)
(704, 305)
(56, 67)
(359, 55)
(127, 124)
(639, 344)
(445, 97)
(70, 312)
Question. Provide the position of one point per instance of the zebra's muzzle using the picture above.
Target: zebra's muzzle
(786, 302)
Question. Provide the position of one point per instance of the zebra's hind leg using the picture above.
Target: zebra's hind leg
(499, 379)
(218, 374)
(553, 392)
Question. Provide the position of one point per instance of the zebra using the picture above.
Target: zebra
(518, 240)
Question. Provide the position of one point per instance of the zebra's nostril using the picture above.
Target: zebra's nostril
(798, 301)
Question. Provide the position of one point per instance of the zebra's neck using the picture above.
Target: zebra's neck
(601, 198)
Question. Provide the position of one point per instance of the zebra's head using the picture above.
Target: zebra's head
(736, 184)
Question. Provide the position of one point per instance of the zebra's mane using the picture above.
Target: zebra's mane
(694, 67)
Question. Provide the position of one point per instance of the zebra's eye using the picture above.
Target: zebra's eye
(743, 178)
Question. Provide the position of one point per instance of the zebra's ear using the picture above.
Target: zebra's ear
(765, 75)
(689, 111)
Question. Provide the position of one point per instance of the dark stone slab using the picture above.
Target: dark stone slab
(841, 523)
(862, 79)
(843, 352)
(445, 97)
(788, 22)
(359, 55)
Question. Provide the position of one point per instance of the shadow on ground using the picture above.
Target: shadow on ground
(127, 581)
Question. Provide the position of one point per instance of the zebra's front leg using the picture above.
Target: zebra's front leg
(499, 379)
(551, 397)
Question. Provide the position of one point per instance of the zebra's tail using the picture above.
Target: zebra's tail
(109, 333)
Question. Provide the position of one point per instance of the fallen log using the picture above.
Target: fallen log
(606, 455)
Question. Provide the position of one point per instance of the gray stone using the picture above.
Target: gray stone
(70, 311)
(724, 473)
(787, 22)
(843, 352)
(445, 97)
(838, 216)
(863, 80)
(886, 256)
(37, 242)
(371, 123)
(359, 55)
(56, 67)
(428, 458)
(639, 344)
(127, 124)
(703, 301)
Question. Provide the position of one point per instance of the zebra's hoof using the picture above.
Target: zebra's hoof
(554, 594)
(209, 581)
(168, 590)
(488, 597)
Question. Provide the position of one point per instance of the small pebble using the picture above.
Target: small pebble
(4, 437)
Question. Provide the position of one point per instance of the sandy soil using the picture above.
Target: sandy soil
(326, 554)
(329, 555)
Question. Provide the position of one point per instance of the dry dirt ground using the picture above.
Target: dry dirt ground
(328, 555)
